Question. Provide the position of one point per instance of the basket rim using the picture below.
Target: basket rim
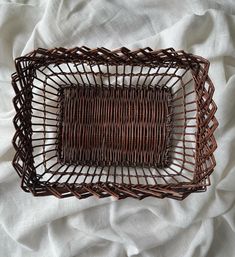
(101, 55)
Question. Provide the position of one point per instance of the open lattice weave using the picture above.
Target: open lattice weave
(113, 123)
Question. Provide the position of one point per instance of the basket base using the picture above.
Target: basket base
(114, 126)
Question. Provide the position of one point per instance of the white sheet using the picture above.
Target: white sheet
(203, 224)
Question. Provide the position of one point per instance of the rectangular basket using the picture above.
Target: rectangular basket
(113, 123)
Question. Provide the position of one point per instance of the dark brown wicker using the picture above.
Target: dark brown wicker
(113, 123)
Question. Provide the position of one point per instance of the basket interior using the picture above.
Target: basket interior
(130, 124)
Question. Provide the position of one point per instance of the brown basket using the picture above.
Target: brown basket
(113, 123)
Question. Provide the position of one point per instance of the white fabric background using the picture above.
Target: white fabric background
(201, 225)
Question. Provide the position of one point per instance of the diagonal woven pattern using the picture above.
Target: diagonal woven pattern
(116, 123)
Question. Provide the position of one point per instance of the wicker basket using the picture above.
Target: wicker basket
(113, 123)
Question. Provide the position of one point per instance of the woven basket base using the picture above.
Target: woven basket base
(114, 126)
